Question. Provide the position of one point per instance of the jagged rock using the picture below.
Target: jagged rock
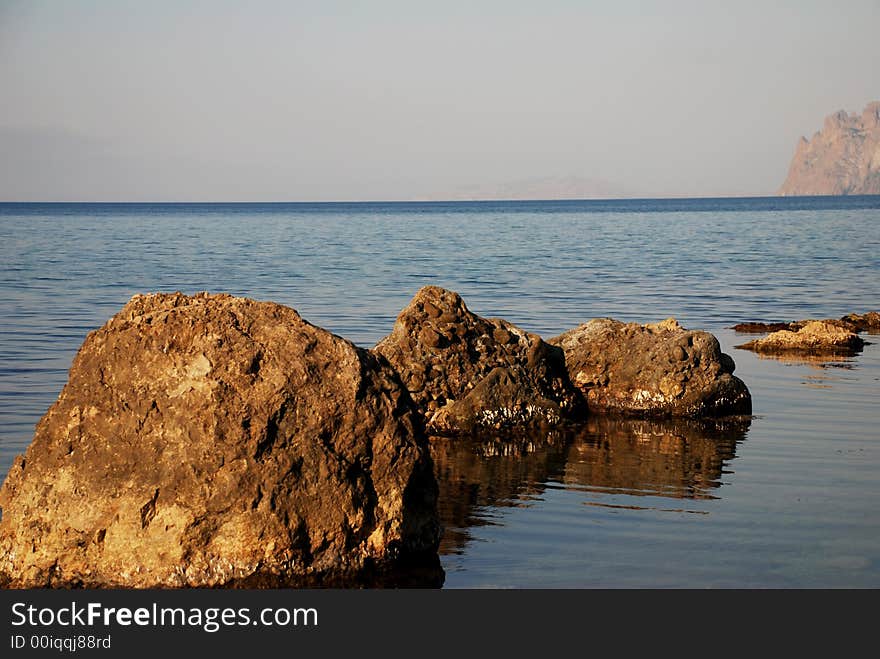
(468, 372)
(218, 441)
(842, 158)
(816, 336)
(652, 370)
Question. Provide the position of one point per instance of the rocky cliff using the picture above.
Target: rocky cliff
(842, 158)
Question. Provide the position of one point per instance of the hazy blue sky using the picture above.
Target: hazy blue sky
(261, 100)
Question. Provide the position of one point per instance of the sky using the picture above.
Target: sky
(318, 101)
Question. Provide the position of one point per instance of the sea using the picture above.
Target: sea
(787, 499)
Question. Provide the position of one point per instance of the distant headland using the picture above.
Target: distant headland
(842, 158)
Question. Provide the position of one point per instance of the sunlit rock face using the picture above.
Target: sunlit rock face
(468, 373)
(655, 370)
(218, 441)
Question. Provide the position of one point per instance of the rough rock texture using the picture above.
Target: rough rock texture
(652, 370)
(814, 337)
(218, 441)
(842, 158)
(468, 372)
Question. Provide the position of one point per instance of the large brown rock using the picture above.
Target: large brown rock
(467, 372)
(815, 336)
(842, 158)
(652, 370)
(218, 441)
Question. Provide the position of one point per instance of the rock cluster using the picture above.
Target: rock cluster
(218, 441)
(842, 158)
(816, 336)
(215, 441)
(652, 370)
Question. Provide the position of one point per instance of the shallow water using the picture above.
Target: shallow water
(787, 500)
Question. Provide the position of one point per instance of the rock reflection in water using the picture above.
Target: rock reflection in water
(676, 458)
(476, 474)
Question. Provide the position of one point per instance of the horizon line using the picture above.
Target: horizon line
(435, 201)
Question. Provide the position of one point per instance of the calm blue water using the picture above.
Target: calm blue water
(791, 500)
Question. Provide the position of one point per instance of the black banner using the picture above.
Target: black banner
(405, 622)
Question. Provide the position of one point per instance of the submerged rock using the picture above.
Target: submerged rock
(866, 322)
(467, 372)
(652, 370)
(219, 441)
(816, 336)
(762, 328)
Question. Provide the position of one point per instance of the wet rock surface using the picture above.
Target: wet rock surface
(814, 337)
(467, 372)
(218, 441)
(655, 370)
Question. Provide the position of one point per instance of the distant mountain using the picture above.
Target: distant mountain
(571, 187)
(842, 158)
